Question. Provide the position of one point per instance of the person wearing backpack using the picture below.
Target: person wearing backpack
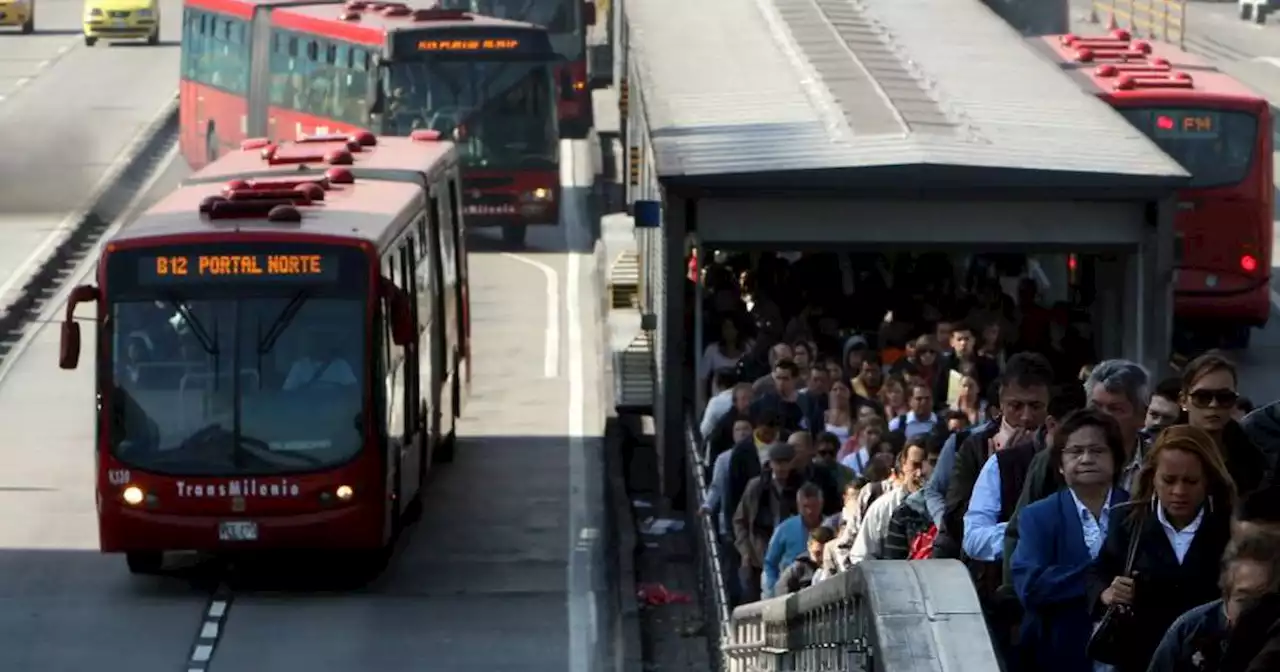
(911, 530)
(911, 472)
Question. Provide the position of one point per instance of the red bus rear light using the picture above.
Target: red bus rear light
(1249, 263)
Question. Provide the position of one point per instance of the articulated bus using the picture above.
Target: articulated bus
(280, 350)
(284, 68)
(567, 21)
(1220, 131)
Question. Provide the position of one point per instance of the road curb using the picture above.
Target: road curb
(77, 233)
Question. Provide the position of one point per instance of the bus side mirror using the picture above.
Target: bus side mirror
(69, 346)
(589, 13)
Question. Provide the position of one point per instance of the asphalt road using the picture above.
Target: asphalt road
(67, 115)
(505, 570)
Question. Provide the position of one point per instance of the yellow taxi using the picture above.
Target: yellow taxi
(121, 20)
(21, 13)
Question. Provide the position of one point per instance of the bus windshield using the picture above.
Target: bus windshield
(1215, 146)
(554, 15)
(226, 378)
(503, 111)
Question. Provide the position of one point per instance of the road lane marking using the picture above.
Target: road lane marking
(551, 355)
(213, 623)
(581, 616)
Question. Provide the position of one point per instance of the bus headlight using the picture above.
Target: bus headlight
(133, 495)
(538, 195)
(344, 493)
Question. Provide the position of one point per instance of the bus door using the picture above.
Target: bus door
(259, 73)
(440, 353)
(413, 465)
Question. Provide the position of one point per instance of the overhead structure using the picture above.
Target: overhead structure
(870, 123)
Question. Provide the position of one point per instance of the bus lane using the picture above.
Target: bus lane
(69, 117)
(63, 605)
(502, 571)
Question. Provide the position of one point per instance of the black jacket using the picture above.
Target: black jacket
(1262, 426)
(1164, 588)
(1246, 463)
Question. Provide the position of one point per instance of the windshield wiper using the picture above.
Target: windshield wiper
(207, 342)
(282, 321)
(242, 445)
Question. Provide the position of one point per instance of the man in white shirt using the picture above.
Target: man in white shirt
(911, 473)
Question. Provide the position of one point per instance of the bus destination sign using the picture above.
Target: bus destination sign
(499, 44)
(1185, 123)
(178, 268)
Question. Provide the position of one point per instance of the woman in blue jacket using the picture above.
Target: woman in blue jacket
(1060, 537)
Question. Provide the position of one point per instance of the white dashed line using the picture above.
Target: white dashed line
(210, 630)
(21, 82)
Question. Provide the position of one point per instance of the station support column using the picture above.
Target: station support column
(669, 349)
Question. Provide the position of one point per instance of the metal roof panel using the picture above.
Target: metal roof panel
(759, 86)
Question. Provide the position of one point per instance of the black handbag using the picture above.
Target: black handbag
(1106, 644)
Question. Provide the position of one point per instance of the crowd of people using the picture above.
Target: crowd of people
(1108, 520)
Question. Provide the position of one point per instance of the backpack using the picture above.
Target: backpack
(921, 546)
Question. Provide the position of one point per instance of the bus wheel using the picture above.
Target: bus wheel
(1260, 15)
(29, 26)
(90, 41)
(144, 562)
(1237, 338)
(1246, 11)
(514, 235)
(444, 452)
(154, 38)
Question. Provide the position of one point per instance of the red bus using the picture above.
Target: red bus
(280, 350)
(284, 68)
(1220, 131)
(567, 21)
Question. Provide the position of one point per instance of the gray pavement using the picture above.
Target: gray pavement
(67, 115)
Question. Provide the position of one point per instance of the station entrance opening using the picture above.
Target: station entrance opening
(1081, 281)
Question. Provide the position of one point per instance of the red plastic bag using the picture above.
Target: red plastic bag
(656, 595)
(921, 547)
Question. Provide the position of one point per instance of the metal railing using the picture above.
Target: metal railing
(888, 616)
(1163, 20)
(711, 576)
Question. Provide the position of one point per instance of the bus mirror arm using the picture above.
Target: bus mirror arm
(69, 346)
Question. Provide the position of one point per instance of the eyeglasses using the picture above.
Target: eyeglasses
(1204, 398)
(1077, 452)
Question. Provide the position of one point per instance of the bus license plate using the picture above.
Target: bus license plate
(119, 23)
(238, 531)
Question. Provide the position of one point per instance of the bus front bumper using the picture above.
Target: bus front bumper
(352, 527)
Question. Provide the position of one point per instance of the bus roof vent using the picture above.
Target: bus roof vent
(365, 139)
(357, 6)
(285, 183)
(441, 14)
(1176, 80)
(349, 15)
(254, 143)
(424, 135)
(1155, 66)
(348, 141)
(340, 176)
(274, 210)
(298, 153)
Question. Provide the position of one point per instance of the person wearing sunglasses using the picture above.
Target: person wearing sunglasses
(1208, 397)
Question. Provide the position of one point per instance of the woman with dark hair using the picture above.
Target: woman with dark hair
(1179, 522)
(1208, 398)
(1059, 538)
